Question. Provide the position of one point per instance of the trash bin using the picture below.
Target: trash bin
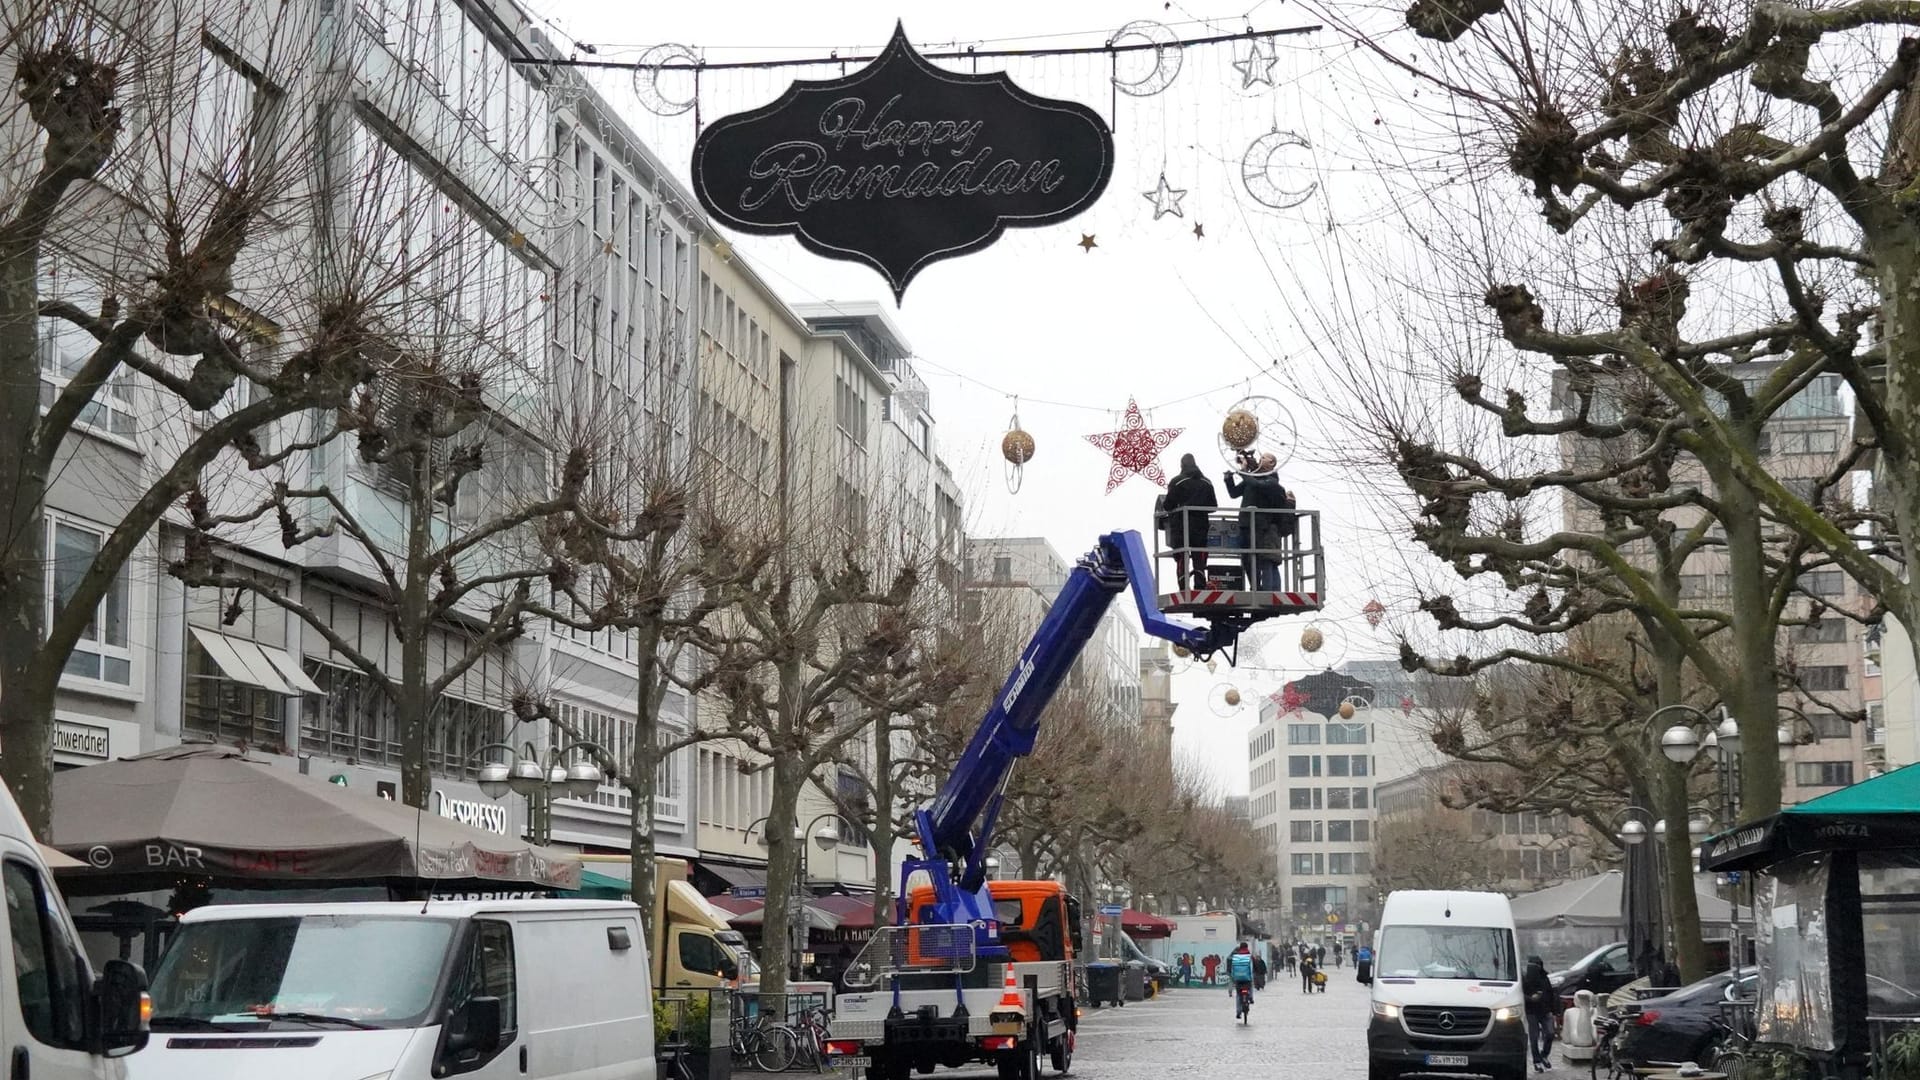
(1103, 985)
(1134, 981)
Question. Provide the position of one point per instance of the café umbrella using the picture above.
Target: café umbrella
(215, 814)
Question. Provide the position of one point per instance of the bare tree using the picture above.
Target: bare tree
(1436, 853)
(154, 190)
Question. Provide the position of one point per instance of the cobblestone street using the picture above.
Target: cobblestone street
(1192, 1032)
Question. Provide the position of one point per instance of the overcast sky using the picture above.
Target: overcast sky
(1186, 325)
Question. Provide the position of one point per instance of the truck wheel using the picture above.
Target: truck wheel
(1062, 1053)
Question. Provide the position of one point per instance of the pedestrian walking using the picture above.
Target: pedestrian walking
(1338, 952)
(1293, 959)
(1363, 964)
(1184, 519)
(1259, 973)
(1320, 956)
(1212, 965)
(1307, 971)
(1186, 969)
(1537, 991)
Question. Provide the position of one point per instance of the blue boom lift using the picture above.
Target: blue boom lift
(941, 949)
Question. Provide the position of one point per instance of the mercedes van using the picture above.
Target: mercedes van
(56, 1019)
(528, 989)
(1446, 988)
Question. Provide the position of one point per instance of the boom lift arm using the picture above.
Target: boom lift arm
(956, 832)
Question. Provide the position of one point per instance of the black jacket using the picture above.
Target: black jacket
(1537, 990)
(1192, 493)
(1262, 493)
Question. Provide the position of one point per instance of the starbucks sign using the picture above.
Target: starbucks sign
(902, 163)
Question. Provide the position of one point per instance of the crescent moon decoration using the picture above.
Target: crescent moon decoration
(1256, 171)
(646, 79)
(555, 195)
(1166, 58)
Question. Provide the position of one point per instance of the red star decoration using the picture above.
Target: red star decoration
(1406, 705)
(1374, 611)
(1135, 448)
(1289, 698)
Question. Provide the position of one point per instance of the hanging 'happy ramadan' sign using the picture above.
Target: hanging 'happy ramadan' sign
(901, 163)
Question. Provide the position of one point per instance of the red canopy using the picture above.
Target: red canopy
(1139, 924)
(849, 912)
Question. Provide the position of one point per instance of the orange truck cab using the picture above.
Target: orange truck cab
(1038, 920)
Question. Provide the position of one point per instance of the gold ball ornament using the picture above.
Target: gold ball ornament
(1311, 640)
(1232, 696)
(1017, 447)
(1240, 429)
(1346, 710)
(1182, 651)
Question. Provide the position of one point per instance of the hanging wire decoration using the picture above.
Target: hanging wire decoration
(1134, 449)
(1017, 447)
(1257, 169)
(1224, 699)
(646, 79)
(1256, 426)
(1256, 67)
(553, 197)
(1164, 49)
(1165, 199)
(565, 89)
(1375, 611)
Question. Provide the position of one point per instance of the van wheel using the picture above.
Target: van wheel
(1062, 1054)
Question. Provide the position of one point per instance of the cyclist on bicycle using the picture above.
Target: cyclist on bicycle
(1240, 977)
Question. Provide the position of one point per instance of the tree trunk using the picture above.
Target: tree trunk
(783, 868)
(640, 771)
(880, 836)
(26, 699)
(413, 618)
(1754, 695)
(1676, 859)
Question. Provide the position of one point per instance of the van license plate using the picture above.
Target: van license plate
(852, 1062)
(1458, 1061)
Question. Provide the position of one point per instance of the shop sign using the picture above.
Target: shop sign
(902, 163)
(81, 740)
(481, 815)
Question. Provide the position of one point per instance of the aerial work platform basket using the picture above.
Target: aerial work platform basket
(1251, 563)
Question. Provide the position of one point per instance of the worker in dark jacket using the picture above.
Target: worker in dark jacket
(1258, 489)
(1536, 990)
(1187, 501)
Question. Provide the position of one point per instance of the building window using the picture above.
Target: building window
(1337, 799)
(64, 350)
(1830, 725)
(1824, 582)
(1824, 677)
(1300, 832)
(1303, 734)
(1303, 765)
(1822, 631)
(1346, 734)
(1303, 863)
(1337, 764)
(1823, 773)
(1340, 862)
(228, 710)
(1360, 798)
(1361, 830)
(852, 791)
(1340, 831)
(102, 652)
(1301, 798)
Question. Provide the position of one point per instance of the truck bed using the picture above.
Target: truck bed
(863, 1014)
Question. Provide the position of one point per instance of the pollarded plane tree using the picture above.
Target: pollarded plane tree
(1769, 153)
(159, 309)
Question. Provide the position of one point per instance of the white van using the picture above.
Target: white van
(539, 989)
(57, 1021)
(1446, 988)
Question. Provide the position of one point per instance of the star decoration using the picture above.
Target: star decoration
(1406, 705)
(1288, 698)
(1199, 231)
(1258, 65)
(1165, 200)
(1135, 448)
(1374, 611)
(1088, 243)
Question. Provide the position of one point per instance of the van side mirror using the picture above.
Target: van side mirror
(478, 1028)
(121, 1009)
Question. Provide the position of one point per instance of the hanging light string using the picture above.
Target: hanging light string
(1107, 49)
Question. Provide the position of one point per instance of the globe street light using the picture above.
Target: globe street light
(1633, 832)
(539, 779)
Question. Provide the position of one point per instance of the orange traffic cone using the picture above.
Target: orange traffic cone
(1010, 993)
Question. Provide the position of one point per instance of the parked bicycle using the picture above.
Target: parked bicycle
(761, 1040)
(810, 1038)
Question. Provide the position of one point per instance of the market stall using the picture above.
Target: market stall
(1831, 876)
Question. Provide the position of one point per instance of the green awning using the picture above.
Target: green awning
(1896, 792)
(598, 886)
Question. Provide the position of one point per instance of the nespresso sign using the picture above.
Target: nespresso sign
(902, 163)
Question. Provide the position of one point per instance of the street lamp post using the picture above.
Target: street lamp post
(825, 839)
(538, 777)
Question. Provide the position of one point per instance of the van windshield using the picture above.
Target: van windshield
(301, 970)
(1445, 952)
